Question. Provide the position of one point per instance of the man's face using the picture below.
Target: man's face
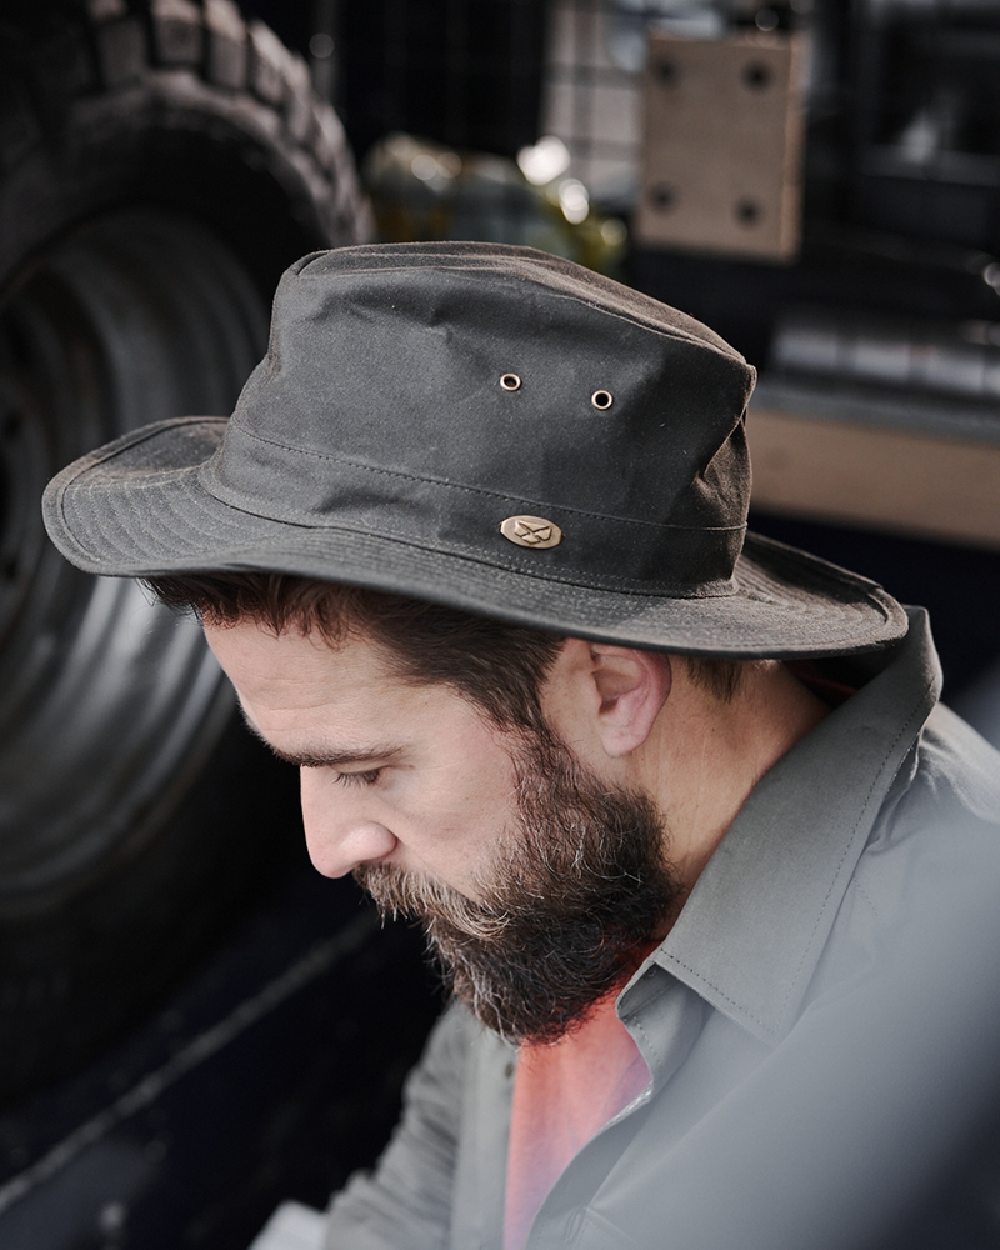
(539, 884)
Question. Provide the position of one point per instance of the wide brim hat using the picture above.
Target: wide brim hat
(487, 427)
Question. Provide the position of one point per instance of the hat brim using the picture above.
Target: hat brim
(155, 518)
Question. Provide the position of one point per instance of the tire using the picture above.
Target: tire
(161, 163)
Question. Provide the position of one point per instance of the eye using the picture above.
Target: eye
(367, 778)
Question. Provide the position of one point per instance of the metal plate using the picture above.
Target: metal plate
(721, 147)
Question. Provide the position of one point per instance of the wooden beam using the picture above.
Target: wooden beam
(877, 477)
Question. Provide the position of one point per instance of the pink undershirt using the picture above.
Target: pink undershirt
(563, 1095)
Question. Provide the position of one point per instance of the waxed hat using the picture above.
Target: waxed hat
(488, 427)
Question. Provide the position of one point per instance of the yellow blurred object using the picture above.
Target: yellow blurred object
(421, 190)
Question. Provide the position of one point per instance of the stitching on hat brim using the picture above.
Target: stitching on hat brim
(821, 606)
(817, 606)
(610, 583)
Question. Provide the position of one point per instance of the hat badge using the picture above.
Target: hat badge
(531, 531)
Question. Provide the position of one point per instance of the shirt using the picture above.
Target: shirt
(821, 1024)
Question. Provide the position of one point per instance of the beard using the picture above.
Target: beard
(577, 893)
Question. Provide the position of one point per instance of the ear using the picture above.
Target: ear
(630, 688)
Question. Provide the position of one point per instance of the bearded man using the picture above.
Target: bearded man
(711, 878)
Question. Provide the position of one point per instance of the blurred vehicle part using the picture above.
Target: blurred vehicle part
(162, 162)
(739, 98)
(466, 74)
(271, 1072)
(422, 190)
(885, 421)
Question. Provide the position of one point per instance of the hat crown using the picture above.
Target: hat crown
(386, 402)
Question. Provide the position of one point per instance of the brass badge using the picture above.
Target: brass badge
(531, 531)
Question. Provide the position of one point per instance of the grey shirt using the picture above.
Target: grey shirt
(822, 1024)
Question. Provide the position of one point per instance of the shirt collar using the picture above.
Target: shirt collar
(750, 935)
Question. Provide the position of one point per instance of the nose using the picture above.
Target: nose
(340, 833)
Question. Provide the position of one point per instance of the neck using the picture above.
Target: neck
(708, 755)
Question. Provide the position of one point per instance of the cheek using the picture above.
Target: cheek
(487, 780)
(474, 805)
(469, 801)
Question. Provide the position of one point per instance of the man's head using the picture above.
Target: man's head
(563, 462)
(431, 768)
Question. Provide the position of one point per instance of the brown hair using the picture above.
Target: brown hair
(499, 666)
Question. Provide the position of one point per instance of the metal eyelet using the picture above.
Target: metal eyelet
(510, 382)
(602, 400)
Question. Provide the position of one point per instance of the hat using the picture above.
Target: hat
(488, 427)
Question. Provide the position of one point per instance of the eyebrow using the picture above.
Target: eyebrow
(324, 758)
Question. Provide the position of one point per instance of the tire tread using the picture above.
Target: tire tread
(120, 44)
(103, 47)
(225, 46)
(177, 33)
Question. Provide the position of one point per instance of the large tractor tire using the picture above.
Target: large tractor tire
(161, 162)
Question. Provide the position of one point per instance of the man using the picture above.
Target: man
(712, 879)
